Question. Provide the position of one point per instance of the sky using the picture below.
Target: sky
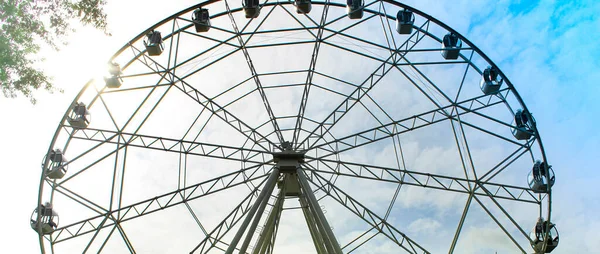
(546, 48)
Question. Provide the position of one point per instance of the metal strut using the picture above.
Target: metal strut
(291, 183)
(266, 240)
(259, 86)
(312, 227)
(328, 237)
(260, 204)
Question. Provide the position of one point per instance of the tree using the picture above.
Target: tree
(26, 25)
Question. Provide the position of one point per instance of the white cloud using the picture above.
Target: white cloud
(424, 226)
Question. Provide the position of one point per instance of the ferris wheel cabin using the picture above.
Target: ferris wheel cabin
(79, 117)
(48, 219)
(540, 177)
(523, 129)
(56, 167)
(201, 19)
(404, 21)
(251, 8)
(114, 80)
(490, 81)
(303, 6)
(451, 45)
(153, 43)
(354, 8)
(544, 236)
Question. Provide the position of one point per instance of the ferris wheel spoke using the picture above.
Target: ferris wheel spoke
(200, 68)
(183, 30)
(422, 179)
(511, 158)
(84, 169)
(464, 76)
(512, 220)
(163, 201)
(407, 45)
(460, 224)
(196, 219)
(364, 213)
(97, 231)
(125, 238)
(463, 151)
(500, 225)
(354, 38)
(365, 55)
(222, 42)
(428, 84)
(390, 48)
(405, 125)
(302, 25)
(336, 115)
(386, 27)
(362, 242)
(77, 198)
(493, 119)
(400, 163)
(99, 95)
(422, 88)
(226, 42)
(239, 212)
(229, 118)
(216, 109)
(341, 17)
(309, 76)
(253, 72)
(483, 130)
(106, 239)
(173, 145)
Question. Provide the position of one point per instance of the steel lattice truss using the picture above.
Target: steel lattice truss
(392, 136)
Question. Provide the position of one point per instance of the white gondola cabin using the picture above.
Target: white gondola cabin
(451, 45)
(404, 21)
(302, 6)
(114, 80)
(540, 177)
(251, 8)
(79, 117)
(490, 81)
(544, 236)
(48, 221)
(522, 121)
(354, 8)
(201, 19)
(154, 44)
(56, 167)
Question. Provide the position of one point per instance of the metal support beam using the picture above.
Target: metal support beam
(264, 194)
(314, 232)
(264, 240)
(259, 213)
(160, 202)
(316, 209)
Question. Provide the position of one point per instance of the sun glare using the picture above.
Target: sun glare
(84, 58)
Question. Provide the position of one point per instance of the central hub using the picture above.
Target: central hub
(287, 161)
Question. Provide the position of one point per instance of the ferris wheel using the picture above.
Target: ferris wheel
(297, 127)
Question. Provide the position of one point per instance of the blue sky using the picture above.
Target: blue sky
(548, 49)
